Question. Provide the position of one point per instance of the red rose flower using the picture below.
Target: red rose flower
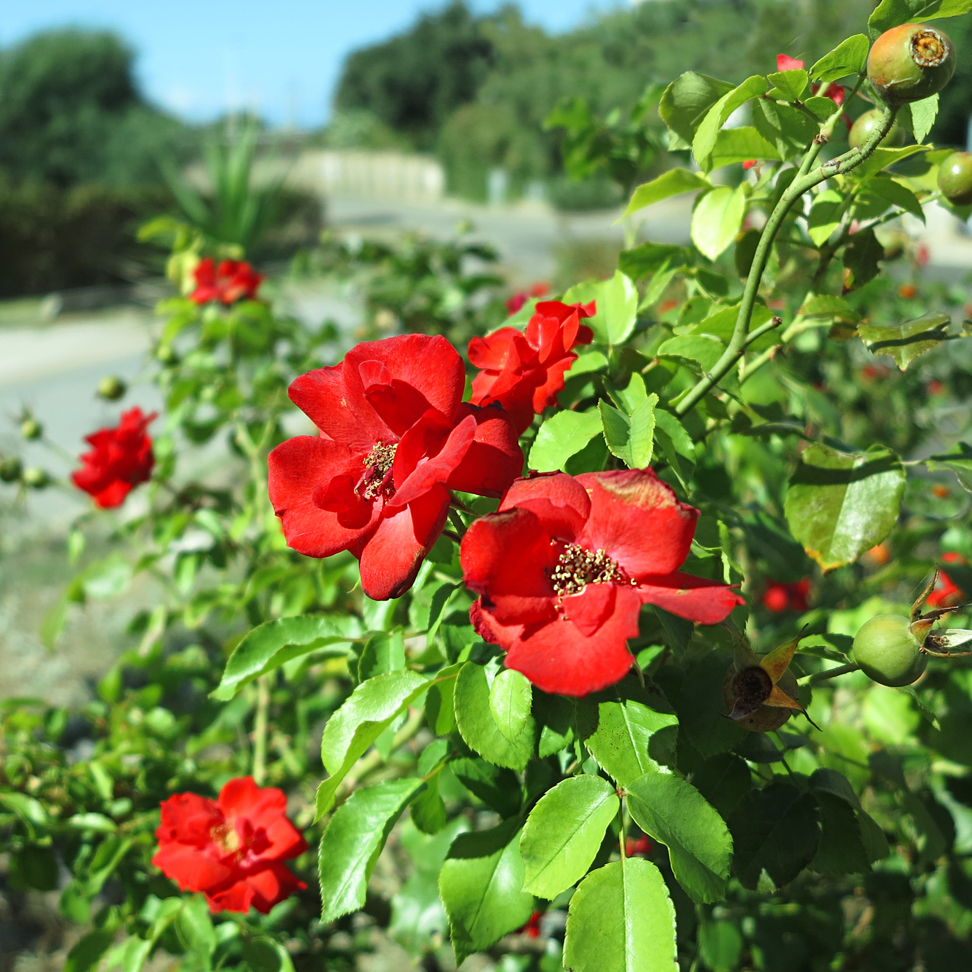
(946, 593)
(231, 281)
(563, 568)
(394, 439)
(231, 849)
(787, 597)
(121, 458)
(637, 846)
(538, 289)
(525, 372)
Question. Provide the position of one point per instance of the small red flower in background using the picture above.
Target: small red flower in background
(532, 928)
(231, 849)
(539, 289)
(946, 593)
(121, 458)
(637, 846)
(749, 163)
(935, 387)
(524, 372)
(835, 92)
(229, 282)
(875, 372)
(907, 291)
(564, 566)
(394, 440)
(787, 597)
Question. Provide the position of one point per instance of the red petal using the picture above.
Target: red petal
(494, 458)
(271, 886)
(785, 63)
(638, 521)
(505, 557)
(296, 468)
(693, 598)
(237, 897)
(414, 478)
(321, 396)
(490, 352)
(391, 557)
(559, 501)
(590, 609)
(192, 868)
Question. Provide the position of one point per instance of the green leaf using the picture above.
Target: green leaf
(740, 145)
(195, 926)
(670, 183)
(362, 718)
(848, 57)
(825, 215)
(480, 884)
(478, 727)
(723, 779)
(836, 308)
(783, 125)
(861, 257)
(649, 258)
(881, 158)
(617, 310)
(705, 137)
(630, 439)
(905, 342)
(621, 919)
(563, 833)
(686, 102)
(919, 117)
(790, 84)
(510, 698)
(959, 460)
(87, 951)
(895, 193)
(562, 436)
(892, 13)
(497, 787)
(675, 445)
(268, 646)
(838, 505)
(354, 838)
(674, 812)
(720, 945)
(704, 350)
(383, 653)
(717, 219)
(774, 830)
(841, 849)
(617, 727)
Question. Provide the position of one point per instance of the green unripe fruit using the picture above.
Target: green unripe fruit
(111, 388)
(870, 122)
(955, 178)
(888, 651)
(910, 62)
(165, 354)
(30, 428)
(10, 469)
(35, 477)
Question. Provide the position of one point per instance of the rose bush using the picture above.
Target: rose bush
(530, 637)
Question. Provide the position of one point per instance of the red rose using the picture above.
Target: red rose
(564, 566)
(946, 593)
(394, 439)
(231, 281)
(525, 372)
(787, 597)
(121, 458)
(231, 849)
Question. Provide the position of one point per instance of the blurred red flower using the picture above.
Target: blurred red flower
(564, 566)
(231, 849)
(637, 846)
(539, 289)
(835, 92)
(787, 597)
(532, 928)
(121, 458)
(394, 440)
(231, 281)
(947, 593)
(935, 387)
(524, 372)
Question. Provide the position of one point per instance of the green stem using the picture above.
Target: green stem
(260, 731)
(829, 673)
(804, 181)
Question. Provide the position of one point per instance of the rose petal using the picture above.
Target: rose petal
(693, 598)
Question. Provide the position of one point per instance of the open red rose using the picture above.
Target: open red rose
(394, 440)
(563, 568)
(121, 458)
(229, 282)
(787, 597)
(524, 372)
(231, 849)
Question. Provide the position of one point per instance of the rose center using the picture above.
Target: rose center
(225, 837)
(577, 567)
(377, 475)
(928, 49)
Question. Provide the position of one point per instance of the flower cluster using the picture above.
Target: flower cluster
(230, 281)
(120, 458)
(231, 849)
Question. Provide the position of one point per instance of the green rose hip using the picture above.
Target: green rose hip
(910, 62)
(955, 178)
(869, 122)
(888, 651)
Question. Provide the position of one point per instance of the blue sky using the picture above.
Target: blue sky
(201, 57)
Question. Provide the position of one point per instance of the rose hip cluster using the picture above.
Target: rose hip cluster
(561, 569)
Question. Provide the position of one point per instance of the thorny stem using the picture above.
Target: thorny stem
(829, 673)
(803, 182)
